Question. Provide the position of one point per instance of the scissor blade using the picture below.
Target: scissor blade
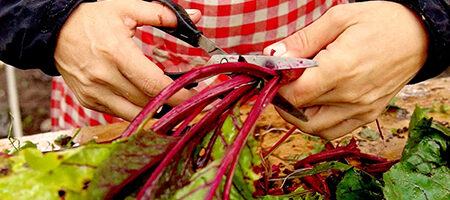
(209, 46)
(280, 102)
(276, 63)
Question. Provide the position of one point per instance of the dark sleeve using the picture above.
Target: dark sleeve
(29, 30)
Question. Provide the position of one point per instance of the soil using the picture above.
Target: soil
(34, 89)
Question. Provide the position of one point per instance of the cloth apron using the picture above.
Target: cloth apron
(238, 26)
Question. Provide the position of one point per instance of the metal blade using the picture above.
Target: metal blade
(280, 102)
(209, 46)
(276, 63)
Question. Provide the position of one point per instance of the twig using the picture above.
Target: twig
(379, 129)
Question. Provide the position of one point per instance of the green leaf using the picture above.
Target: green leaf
(392, 105)
(188, 183)
(318, 147)
(401, 183)
(423, 171)
(299, 194)
(34, 175)
(26, 144)
(369, 134)
(127, 159)
(196, 188)
(292, 159)
(441, 128)
(443, 108)
(417, 115)
(357, 184)
(319, 169)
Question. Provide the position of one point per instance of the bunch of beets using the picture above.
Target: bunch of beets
(246, 81)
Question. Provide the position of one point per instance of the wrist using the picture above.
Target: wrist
(434, 19)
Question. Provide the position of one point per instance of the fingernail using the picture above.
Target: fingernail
(192, 11)
(277, 49)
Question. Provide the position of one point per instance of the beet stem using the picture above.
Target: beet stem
(201, 162)
(149, 110)
(189, 119)
(264, 98)
(349, 151)
(334, 154)
(199, 129)
(179, 113)
(274, 147)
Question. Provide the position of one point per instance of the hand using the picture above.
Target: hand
(103, 66)
(366, 53)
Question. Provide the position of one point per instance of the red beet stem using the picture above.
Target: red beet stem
(199, 129)
(349, 151)
(379, 167)
(317, 183)
(265, 97)
(371, 158)
(189, 119)
(149, 110)
(173, 117)
(279, 142)
(334, 154)
(229, 182)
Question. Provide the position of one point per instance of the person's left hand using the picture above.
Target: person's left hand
(366, 53)
(103, 66)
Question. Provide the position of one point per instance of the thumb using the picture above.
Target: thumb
(310, 40)
(156, 14)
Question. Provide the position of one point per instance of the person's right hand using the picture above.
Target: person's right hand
(101, 63)
(366, 53)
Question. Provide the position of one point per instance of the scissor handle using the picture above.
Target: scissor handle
(185, 30)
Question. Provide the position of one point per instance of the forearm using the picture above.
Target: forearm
(30, 30)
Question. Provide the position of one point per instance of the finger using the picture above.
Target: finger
(144, 74)
(123, 87)
(343, 128)
(156, 14)
(317, 85)
(321, 117)
(118, 106)
(314, 82)
(311, 39)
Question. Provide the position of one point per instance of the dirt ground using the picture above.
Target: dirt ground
(34, 88)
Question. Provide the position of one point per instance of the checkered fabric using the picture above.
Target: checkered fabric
(238, 26)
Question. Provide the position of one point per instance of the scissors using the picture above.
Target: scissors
(292, 68)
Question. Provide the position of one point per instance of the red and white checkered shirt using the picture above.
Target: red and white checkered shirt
(238, 26)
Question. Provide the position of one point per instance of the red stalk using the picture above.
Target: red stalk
(349, 151)
(379, 167)
(371, 158)
(279, 142)
(334, 154)
(178, 113)
(149, 110)
(189, 119)
(264, 98)
(244, 99)
(199, 129)
(312, 183)
(205, 158)
(317, 183)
